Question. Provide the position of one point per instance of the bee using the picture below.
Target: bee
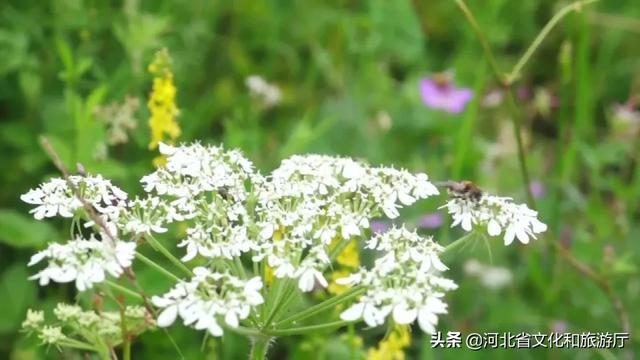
(462, 189)
(442, 79)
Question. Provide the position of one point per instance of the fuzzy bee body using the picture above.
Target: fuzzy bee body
(462, 189)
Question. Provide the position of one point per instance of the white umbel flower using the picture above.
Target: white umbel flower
(268, 94)
(209, 298)
(85, 261)
(403, 283)
(499, 215)
(214, 241)
(312, 201)
(195, 169)
(56, 198)
(144, 216)
(493, 277)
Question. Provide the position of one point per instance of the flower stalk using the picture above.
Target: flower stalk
(323, 306)
(259, 347)
(157, 267)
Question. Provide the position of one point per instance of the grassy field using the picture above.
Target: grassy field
(552, 120)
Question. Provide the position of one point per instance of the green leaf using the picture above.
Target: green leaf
(18, 230)
(18, 294)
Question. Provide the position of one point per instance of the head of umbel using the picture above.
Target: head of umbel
(464, 189)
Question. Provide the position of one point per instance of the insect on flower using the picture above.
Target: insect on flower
(438, 92)
(462, 189)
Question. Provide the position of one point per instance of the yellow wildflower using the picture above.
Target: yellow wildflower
(349, 256)
(335, 288)
(347, 260)
(162, 103)
(268, 270)
(392, 347)
(268, 274)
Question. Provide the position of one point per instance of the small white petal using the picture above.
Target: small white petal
(437, 263)
(493, 228)
(214, 329)
(427, 321)
(167, 316)
(509, 235)
(402, 315)
(353, 313)
(232, 319)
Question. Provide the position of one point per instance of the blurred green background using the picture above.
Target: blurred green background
(348, 72)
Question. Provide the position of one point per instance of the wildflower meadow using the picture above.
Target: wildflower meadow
(381, 180)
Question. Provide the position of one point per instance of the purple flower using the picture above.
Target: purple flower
(439, 93)
(537, 189)
(430, 221)
(523, 93)
(559, 326)
(379, 227)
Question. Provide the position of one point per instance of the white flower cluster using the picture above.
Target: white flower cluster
(311, 201)
(73, 321)
(206, 298)
(288, 218)
(269, 95)
(493, 277)
(210, 187)
(87, 261)
(498, 215)
(56, 198)
(143, 216)
(195, 169)
(295, 220)
(84, 261)
(403, 283)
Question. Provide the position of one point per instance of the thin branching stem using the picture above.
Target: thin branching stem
(157, 267)
(515, 113)
(166, 253)
(311, 328)
(123, 289)
(327, 304)
(576, 6)
(582, 268)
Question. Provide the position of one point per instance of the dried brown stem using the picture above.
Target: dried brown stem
(91, 212)
(601, 281)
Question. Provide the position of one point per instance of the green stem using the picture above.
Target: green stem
(280, 288)
(126, 340)
(240, 267)
(483, 40)
(127, 350)
(515, 114)
(124, 290)
(576, 6)
(160, 269)
(458, 243)
(327, 304)
(285, 299)
(76, 344)
(288, 297)
(259, 347)
(522, 157)
(158, 246)
(338, 248)
(311, 328)
(241, 330)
